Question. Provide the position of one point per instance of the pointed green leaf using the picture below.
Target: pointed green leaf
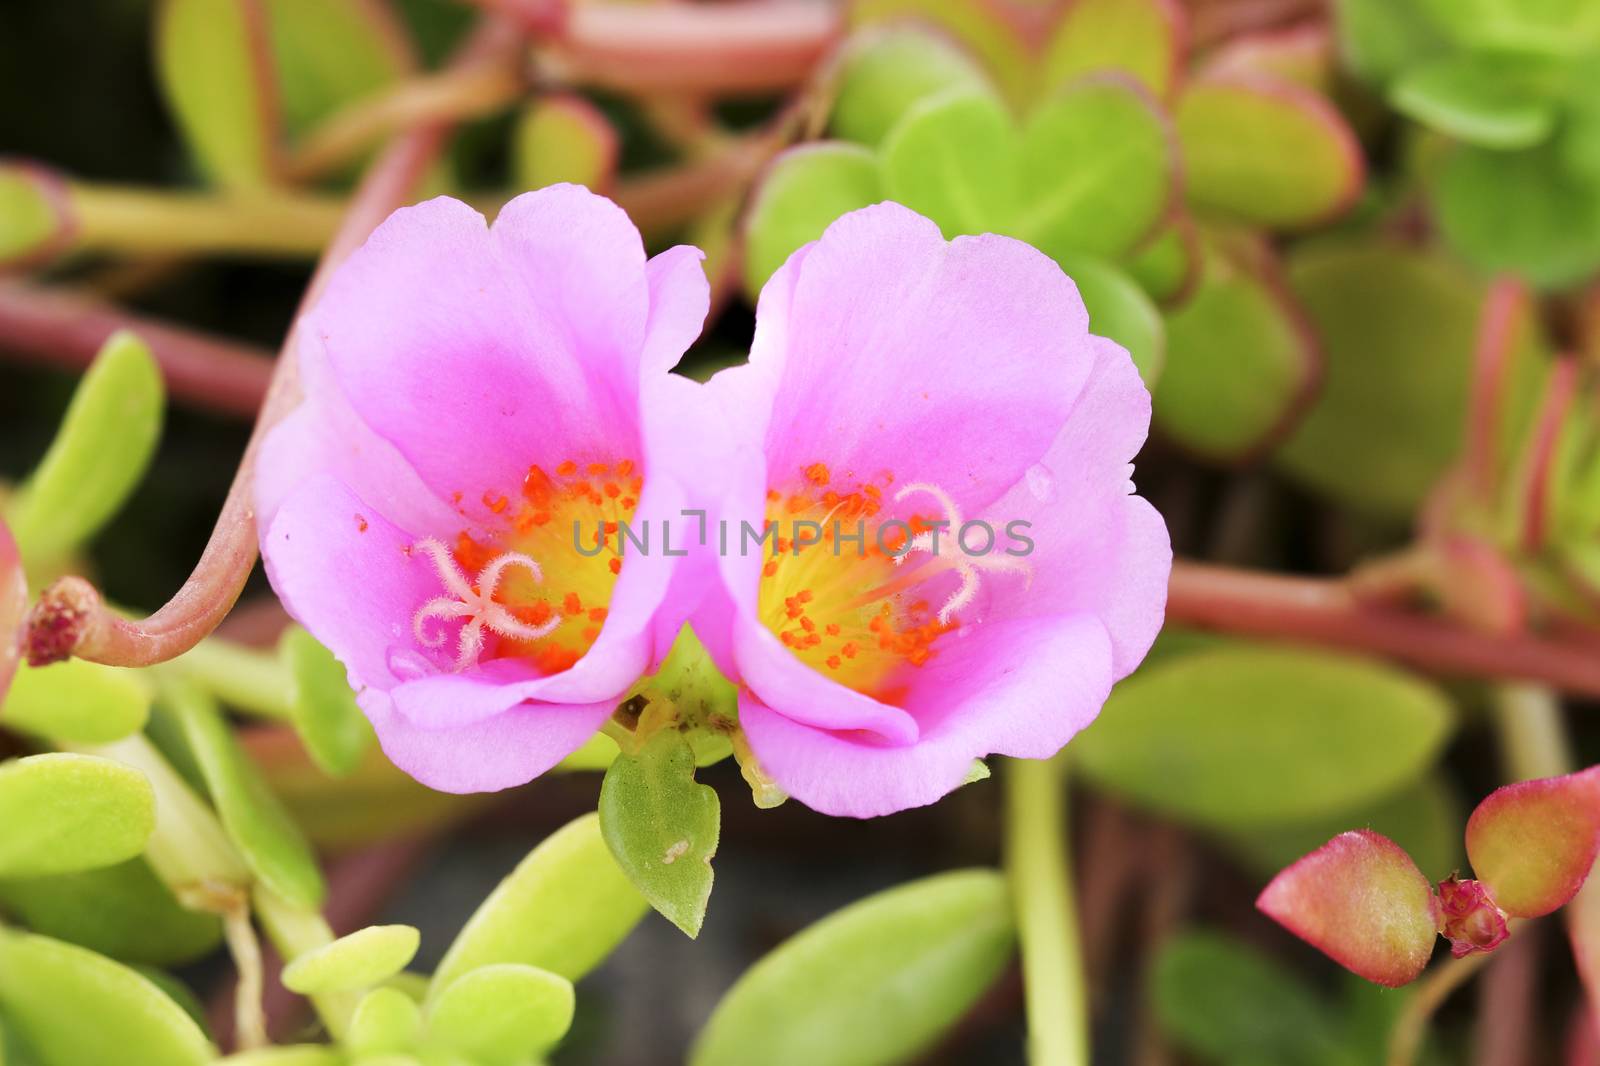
(1251, 736)
(364, 957)
(953, 158)
(76, 701)
(212, 57)
(1241, 360)
(1098, 170)
(1140, 38)
(804, 190)
(74, 1007)
(563, 137)
(888, 70)
(271, 844)
(71, 812)
(1267, 152)
(386, 1020)
(123, 911)
(99, 454)
(1120, 309)
(502, 1015)
(329, 53)
(662, 827)
(876, 982)
(323, 706)
(571, 875)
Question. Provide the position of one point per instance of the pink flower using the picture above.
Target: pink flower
(471, 393)
(897, 378)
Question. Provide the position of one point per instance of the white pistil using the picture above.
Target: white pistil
(477, 605)
(950, 554)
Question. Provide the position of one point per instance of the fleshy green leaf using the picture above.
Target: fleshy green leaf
(1098, 170)
(1169, 264)
(885, 72)
(1120, 309)
(74, 1007)
(211, 57)
(364, 957)
(268, 839)
(1140, 38)
(34, 218)
(804, 190)
(323, 706)
(1361, 901)
(67, 812)
(1475, 97)
(1250, 736)
(1005, 55)
(953, 158)
(76, 701)
(1220, 999)
(1380, 38)
(1241, 359)
(571, 874)
(329, 53)
(99, 454)
(386, 1020)
(875, 982)
(123, 911)
(563, 137)
(1552, 27)
(662, 827)
(1519, 212)
(502, 1015)
(1266, 151)
(1533, 843)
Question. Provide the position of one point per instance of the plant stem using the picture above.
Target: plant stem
(249, 1019)
(54, 327)
(1411, 1027)
(143, 221)
(295, 931)
(1039, 869)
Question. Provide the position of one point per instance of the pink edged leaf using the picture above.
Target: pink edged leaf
(1533, 843)
(13, 606)
(1361, 901)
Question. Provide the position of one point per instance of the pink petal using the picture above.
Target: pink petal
(1360, 900)
(13, 606)
(1021, 688)
(1533, 843)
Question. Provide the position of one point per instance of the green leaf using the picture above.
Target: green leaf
(1169, 264)
(34, 217)
(1255, 736)
(288, 1055)
(1398, 327)
(1140, 38)
(76, 701)
(123, 911)
(211, 59)
(1006, 56)
(329, 53)
(364, 957)
(953, 158)
(322, 705)
(1266, 152)
(1240, 359)
(74, 1007)
(1120, 309)
(885, 72)
(1098, 170)
(662, 827)
(502, 1015)
(1474, 97)
(99, 454)
(1380, 38)
(804, 190)
(1551, 27)
(571, 874)
(1227, 1002)
(1519, 212)
(386, 1020)
(71, 812)
(268, 839)
(876, 982)
(563, 137)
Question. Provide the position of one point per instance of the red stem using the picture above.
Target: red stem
(57, 328)
(1325, 611)
(70, 618)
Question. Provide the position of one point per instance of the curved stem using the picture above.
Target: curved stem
(1411, 1027)
(70, 618)
(249, 1018)
(139, 221)
(1039, 868)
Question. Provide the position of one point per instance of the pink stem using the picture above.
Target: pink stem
(1552, 418)
(57, 328)
(70, 618)
(1503, 311)
(13, 605)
